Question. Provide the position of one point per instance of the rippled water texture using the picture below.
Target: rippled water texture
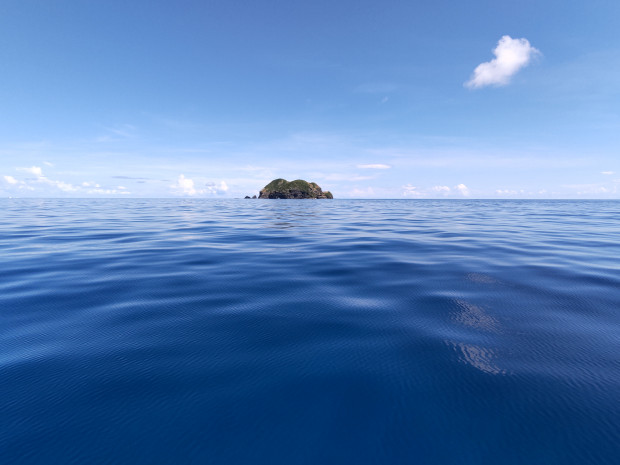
(310, 332)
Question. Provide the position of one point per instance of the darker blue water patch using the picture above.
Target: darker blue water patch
(305, 332)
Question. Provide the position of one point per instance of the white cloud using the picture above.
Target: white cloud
(463, 189)
(48, 163)
(216, 188)
(42, 179)
(16, 183)
(411, 191)
(608, 173)
(90, 184)
(63, 186)
(36, 170)
(506, 192)
(375, 166)
(510, 56)
(185, 186)
(106, 191)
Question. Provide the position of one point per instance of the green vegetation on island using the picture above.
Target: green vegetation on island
(298, 189)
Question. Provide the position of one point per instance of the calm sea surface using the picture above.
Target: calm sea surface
(309, 332)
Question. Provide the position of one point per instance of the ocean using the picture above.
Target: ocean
(204, 331)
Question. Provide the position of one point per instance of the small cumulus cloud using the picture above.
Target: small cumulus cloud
(48, 163)
(374, 166)
(187, 186)
(16, 183)
(216, 188)
(511, 55)
(63, 186)
(463, 189)
(184, 186)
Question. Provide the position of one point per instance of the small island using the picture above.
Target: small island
(298, 189)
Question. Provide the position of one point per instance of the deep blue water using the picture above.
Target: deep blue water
(309, 332)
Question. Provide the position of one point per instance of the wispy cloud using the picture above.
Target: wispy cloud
(510, 56)
(36, 170)
(410, 190)
(376, 88)
(116, 133)
(607, 173)
(42, 179)
(375, 166)
(136, 178)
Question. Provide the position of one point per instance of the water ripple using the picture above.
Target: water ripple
(236, 331)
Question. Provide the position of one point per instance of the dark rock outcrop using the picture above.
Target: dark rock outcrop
(298, 189)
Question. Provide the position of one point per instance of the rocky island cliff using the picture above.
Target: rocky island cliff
(298, 189)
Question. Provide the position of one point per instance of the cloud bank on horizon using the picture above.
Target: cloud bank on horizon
(511, 55)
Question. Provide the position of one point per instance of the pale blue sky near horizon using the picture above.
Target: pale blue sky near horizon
(393, 99)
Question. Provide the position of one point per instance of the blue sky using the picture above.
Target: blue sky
(392, 99)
